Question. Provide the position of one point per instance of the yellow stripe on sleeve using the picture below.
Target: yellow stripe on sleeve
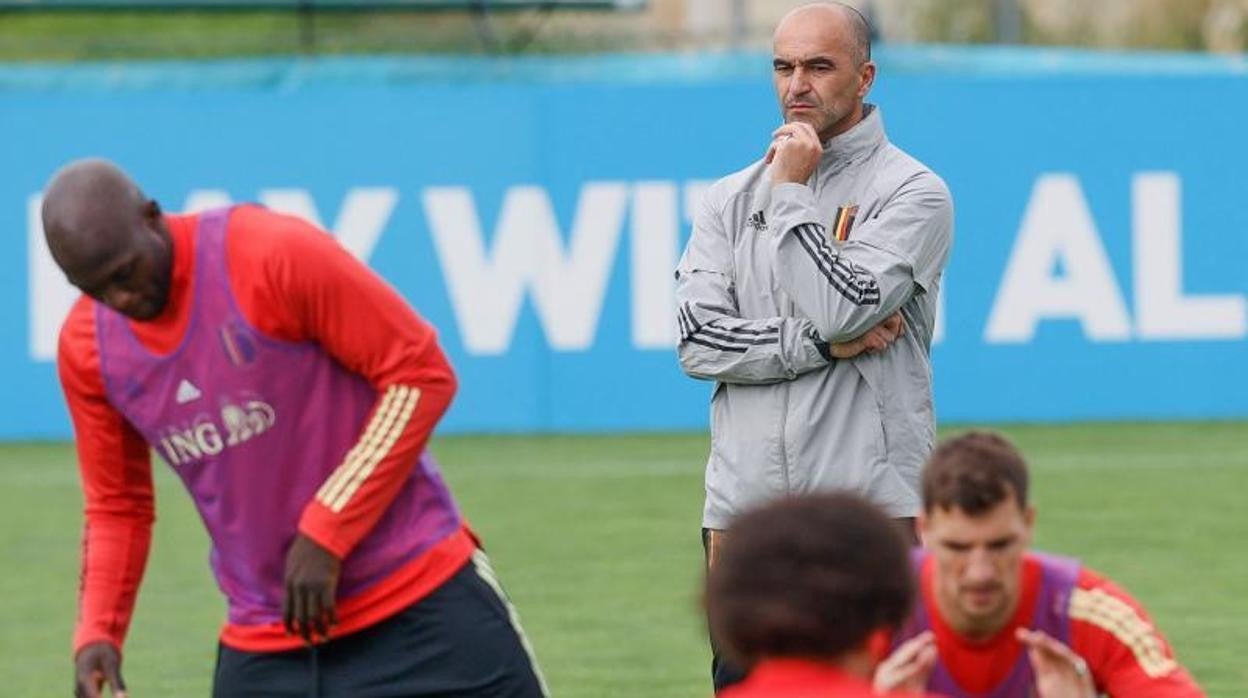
(1117, 617)
(368, 462)
(369, 441)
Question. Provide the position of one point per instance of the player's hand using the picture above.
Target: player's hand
(1060, 673)
(311, 582)
(794, 153)
(908, 668)
(98, 664)
(875, 340)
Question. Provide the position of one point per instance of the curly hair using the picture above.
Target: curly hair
(811, 576)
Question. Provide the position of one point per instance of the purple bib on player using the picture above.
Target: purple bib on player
(254, 426)
(1050, 614)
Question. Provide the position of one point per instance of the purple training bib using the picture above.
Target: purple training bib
(1050, 614)
(254, 426)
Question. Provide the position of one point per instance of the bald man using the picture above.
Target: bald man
(293, 392)
(808, 293)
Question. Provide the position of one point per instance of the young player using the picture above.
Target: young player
(799, 589)
(995, 619)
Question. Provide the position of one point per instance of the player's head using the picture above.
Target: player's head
(821, 66)
(810, 576)
(108, 238)
(976, 524)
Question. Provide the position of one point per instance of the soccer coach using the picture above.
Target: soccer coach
(808, 293)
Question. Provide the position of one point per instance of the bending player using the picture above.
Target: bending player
(293, 391)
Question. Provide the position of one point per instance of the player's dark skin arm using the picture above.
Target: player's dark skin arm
(96, 665)
(311, 583)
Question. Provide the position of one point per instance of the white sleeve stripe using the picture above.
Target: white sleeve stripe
(369, 462)
(370, 442)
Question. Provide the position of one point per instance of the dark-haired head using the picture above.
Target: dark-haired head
(811, 576)
(974, 472)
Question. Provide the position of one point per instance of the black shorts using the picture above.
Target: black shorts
(464, 639)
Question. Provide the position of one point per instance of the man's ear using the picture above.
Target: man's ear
(868, 79)
(151, 210)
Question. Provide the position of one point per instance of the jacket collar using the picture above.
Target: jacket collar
(856, 143)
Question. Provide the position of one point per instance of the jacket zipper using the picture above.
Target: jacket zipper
(784, 408)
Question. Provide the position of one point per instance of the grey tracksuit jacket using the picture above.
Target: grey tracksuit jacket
(763, 287)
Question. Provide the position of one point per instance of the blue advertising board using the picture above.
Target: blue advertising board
(534, 209)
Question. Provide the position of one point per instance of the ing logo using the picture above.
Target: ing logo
(206, 436)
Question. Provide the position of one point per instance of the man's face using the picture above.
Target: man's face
(817, 79)
(126, 264)
(978, 563)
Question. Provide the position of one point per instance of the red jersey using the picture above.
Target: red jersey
(802, 678)
(294, 283)
(1126, 654)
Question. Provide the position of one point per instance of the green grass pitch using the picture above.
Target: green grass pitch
(596, 539)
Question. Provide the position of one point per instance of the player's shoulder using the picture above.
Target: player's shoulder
(1107, 621)
(1090, 581)
(79, 323)
(75, 348)
(1098, 600)
(264, 225)
(259, 234)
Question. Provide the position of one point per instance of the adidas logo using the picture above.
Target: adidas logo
(187, 392)
(757, 221)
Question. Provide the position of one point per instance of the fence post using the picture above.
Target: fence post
(1009, 21)
(307, 27)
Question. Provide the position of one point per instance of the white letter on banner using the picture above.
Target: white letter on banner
(655, 233)
(364, 214)
(1057, 226)
(1162, 311)
(487, 290)
(655, 253)
(51, 295)
(200, 200)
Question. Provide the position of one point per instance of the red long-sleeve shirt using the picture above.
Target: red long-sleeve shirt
(1126, 654)
(294, 283)
(804, 678)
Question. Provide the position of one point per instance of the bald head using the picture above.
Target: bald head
(83, 202)
(108, 238)
(847, 23)
(822, 69)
